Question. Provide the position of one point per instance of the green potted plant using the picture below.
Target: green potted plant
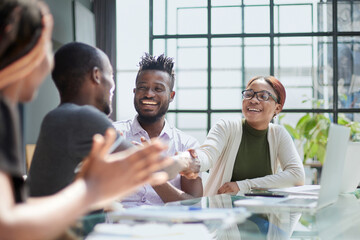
(312, 132)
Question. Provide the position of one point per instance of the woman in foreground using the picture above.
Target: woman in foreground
(25, 60)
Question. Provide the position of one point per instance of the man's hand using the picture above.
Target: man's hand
(190, 164)
(141, 143)
(109, 177)
(229, 187)
(173, 169)
(184, 164)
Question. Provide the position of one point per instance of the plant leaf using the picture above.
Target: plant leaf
(302, 121)
(321, 153)
(292, 131)
(309, 126)
(313, 149)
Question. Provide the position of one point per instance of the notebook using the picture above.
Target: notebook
(351, 174)
(330, 181)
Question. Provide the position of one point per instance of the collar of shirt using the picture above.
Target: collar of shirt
(166, 133)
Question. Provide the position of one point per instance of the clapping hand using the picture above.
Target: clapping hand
(112, 176)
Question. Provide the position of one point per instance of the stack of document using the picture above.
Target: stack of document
(180, 214)
(312, 190)
(300, 190)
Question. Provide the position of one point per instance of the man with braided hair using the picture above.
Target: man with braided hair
(152, 95)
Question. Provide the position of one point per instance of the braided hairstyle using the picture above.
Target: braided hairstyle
(161, 63)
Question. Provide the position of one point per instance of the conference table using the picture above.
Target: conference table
(340, 220)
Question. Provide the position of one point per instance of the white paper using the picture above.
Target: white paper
(180, 214)
(150, 231)
(301, 190)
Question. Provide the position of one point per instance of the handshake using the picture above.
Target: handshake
(185, 163)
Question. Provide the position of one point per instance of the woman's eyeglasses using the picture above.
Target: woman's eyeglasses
(260, 95)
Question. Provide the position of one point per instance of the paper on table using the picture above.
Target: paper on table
(300, 190)
(180, 214)
(150, 231)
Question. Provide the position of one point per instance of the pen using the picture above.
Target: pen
(194, 208)
(265, 194)
(260, 188)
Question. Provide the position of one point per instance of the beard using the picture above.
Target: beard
(151, 118)
(107, 109)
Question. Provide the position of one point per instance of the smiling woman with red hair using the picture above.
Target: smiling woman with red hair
(276, 86)
(251, 152)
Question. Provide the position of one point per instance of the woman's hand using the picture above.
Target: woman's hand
(229, 187)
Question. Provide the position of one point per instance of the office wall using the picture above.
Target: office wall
(48, 97)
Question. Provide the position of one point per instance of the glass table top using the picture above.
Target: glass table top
(340, 220)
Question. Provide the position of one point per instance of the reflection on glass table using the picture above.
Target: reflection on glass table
(337, 221)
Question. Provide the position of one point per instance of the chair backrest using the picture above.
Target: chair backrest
(29, 150)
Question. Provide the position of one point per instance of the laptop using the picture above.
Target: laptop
(351, 174)
(332, 172)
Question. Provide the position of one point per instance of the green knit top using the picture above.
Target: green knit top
(253, 157)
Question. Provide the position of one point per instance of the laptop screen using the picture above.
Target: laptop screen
(333, 167)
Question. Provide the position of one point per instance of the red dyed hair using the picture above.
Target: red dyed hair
(275, 84)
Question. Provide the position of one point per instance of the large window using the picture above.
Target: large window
(311, 46)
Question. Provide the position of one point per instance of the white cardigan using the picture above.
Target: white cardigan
(218, 153)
